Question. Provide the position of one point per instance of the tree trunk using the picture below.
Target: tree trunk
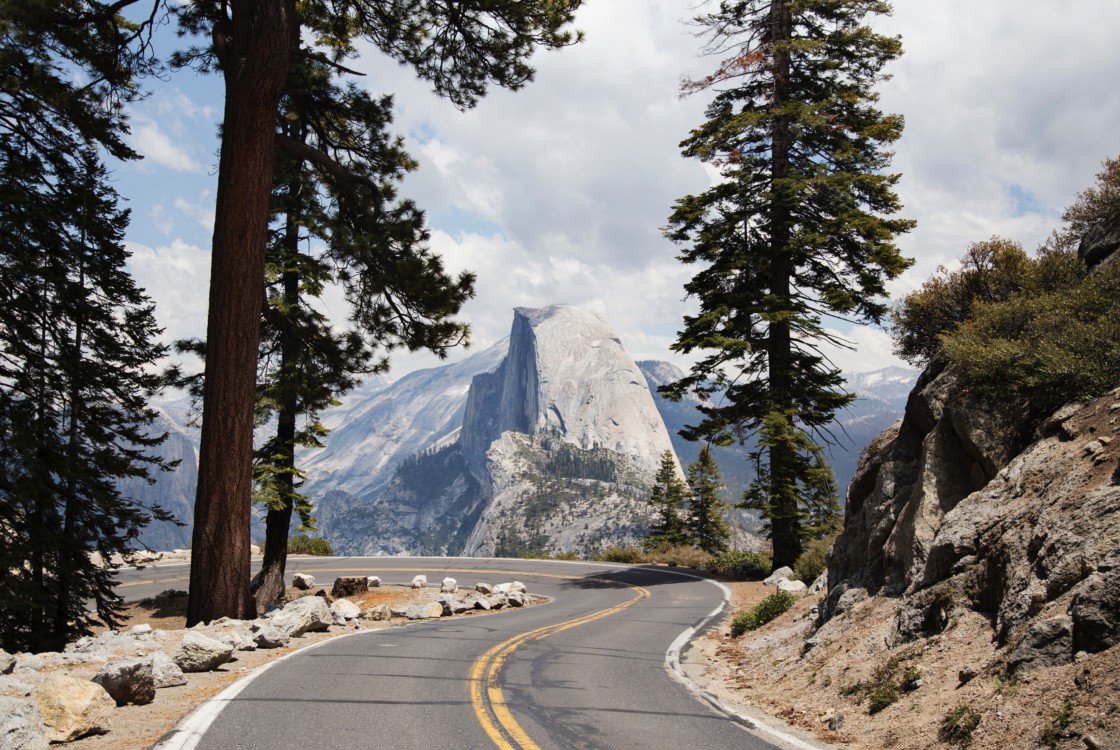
(254, 58)
(783, 498)
(270, 582)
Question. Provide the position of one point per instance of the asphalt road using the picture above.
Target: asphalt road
(590, 669)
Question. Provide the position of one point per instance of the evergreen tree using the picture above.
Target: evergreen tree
(824, 516)
(706, 524)
(669, 497)
(460, 47)
(75, 347)
(76, 337)
(794, 231)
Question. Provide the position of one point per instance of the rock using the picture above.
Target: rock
(1101, 244)
(7, 662)
(516, 599)
(482, 602)
(1095, 608)
(200, 653)
(303, 581)
(502, 588)
(967, 674)
(779, 575)
(21, 726)
(141, 629)
(380, 613)
(307, 614)
(819, 585)
(269, 636)
(498, 600)
(484, 588)
(33, 663)
(349, 586)
(165, 672)
(428, 611)
(449, 586)
(372, 582)
(519, 587)
(73, 708)
(793, 586)
(836, 723)
(14, 686)
(1047, 643)
(128, 681)
(420, 581)
(344, 610)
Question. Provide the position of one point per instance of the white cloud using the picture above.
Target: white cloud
(177, 277)
(150, 139)
(556, 193)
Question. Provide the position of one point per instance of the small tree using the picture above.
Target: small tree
(669, 497)
(706, 523)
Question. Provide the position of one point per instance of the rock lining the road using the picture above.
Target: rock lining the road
(65, 696)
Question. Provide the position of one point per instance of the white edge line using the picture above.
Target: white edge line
(189, 731)
(673, 666)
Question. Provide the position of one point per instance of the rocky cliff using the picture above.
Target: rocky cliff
(548, 449)
(965, 505)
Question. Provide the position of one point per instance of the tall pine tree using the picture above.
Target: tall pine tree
(794, 231)
(462, 48)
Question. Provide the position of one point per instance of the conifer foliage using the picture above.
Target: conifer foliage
(796, 230)
(76, 338)
(710, 532)
(669, 497)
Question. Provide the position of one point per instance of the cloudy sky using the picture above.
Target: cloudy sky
(557, 193)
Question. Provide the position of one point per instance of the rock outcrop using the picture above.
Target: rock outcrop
(963, 504)
(551, 450)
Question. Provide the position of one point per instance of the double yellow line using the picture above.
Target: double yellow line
(486, 694)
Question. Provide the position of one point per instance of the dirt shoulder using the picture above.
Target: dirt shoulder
(829, 689)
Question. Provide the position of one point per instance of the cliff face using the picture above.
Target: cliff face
(549, 449)
(173, 490)
(964, 505)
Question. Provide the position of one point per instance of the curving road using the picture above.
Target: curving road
(587, 670)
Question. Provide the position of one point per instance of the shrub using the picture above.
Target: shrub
(765, 611)
(1048, 348)
(813, 561)
(881, 697)
(1059, 728)
(958, 725)
(739, 563)
(687, 557)
(630, 555)
(306, 545)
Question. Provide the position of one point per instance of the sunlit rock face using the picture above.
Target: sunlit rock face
(549, 448)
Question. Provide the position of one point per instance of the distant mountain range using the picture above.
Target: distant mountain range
(545, 441)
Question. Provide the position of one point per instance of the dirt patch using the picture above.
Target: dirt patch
(915, 688)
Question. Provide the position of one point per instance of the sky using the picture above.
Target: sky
(557, 193)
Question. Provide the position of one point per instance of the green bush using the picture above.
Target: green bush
(881, 697)
(741, 564)
(686, 557)
(958, 725)
(630, 555)
(813, 561)
(1059, 728)
(766, 610)
(1049, 348)
(307, 545)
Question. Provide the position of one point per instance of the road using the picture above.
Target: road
(590, 669)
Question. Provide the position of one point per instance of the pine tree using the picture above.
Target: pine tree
(76, 346)
(669, 497)
(793, 232)
(460, 47)
(707, 527)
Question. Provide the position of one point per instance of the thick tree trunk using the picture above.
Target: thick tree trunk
(784, 527)
(255, 58)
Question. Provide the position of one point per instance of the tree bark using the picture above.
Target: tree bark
(270, 582)
(254, 56)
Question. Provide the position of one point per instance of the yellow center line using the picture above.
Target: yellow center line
(489, 704)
